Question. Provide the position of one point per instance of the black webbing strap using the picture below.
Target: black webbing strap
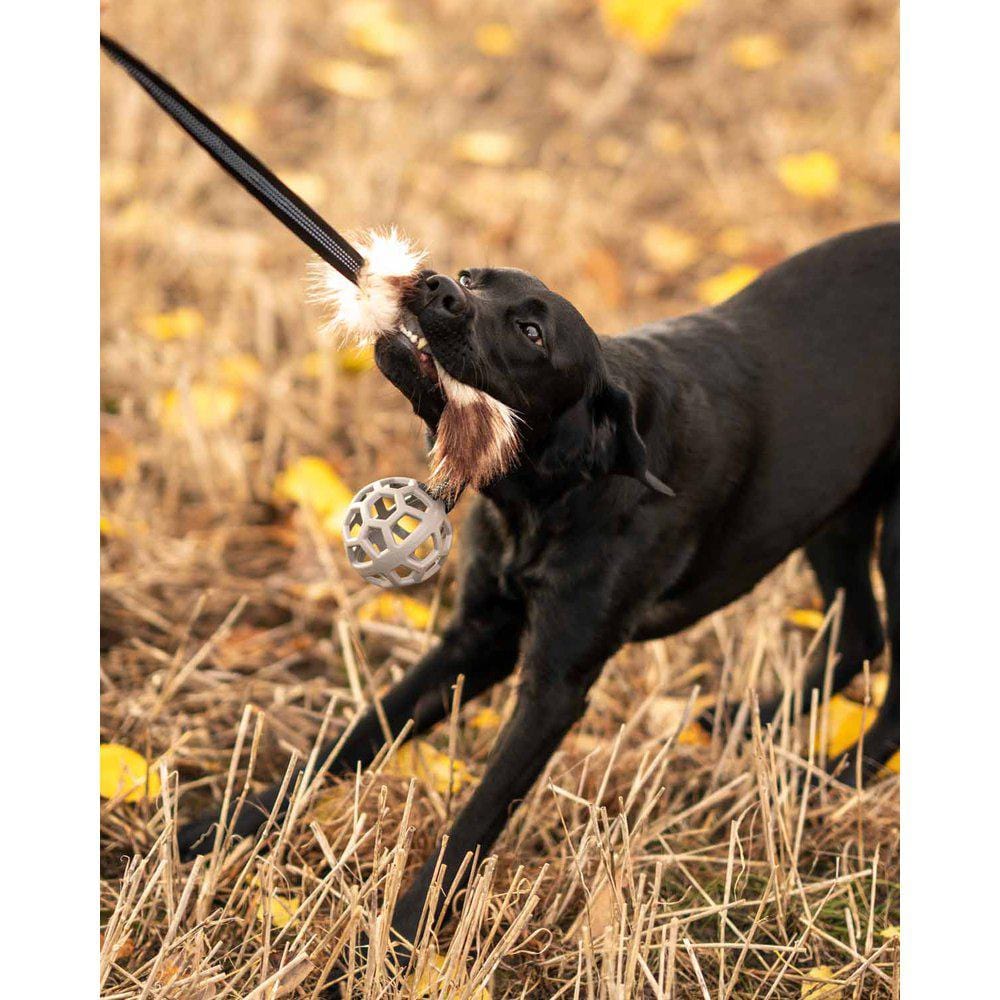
(243, 166)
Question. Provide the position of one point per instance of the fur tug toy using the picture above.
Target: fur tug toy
(396, 532)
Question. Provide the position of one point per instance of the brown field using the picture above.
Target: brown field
(641, 865)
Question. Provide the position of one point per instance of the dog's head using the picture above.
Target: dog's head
(506, 372)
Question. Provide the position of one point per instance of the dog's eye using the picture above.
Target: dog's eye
(532, 331)
(464, 279)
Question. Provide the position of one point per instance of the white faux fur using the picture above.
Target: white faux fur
(477, 438)
(359, 313)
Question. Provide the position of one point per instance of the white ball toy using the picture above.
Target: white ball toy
(396, 534)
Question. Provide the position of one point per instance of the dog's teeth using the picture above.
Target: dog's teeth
(422, 343)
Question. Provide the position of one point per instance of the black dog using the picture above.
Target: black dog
(774, 418)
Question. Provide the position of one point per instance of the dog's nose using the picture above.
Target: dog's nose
(444, 296)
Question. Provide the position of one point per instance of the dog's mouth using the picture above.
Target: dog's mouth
(411, 334)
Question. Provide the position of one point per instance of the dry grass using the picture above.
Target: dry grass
(638, 866)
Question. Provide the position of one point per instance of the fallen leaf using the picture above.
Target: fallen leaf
(486, 719)
(177, 324)
(125, 771)
(113, 527)
(717, 289)
(759, 50)
(889, 933)
(814, 175)
(310, 187)
(417, 759)
(169, 971)
(602, 267)
(485, 147)
(373, 27)
(281, 908)
(311, 482)
(213, 406)
(806, 618)
(694, 735)
(646, 24)
(240, 370)
(668, 249)
(733, 241)
(431, 982)
(396, 609)
(118, 456)
(494, 39)
(352, 79)
(844, 718)
(354, 360)
(819, 984)
(892, 767)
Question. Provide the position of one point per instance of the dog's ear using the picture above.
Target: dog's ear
(598, 437)
(619, 449)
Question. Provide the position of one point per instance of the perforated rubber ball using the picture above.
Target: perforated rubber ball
(396, 534)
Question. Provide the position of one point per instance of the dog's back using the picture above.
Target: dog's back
(791, 394)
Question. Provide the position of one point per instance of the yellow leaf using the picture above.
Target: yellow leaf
(646, 24)
(281, 908)
(759, 50)
(355, 360)
(717, 289)
(373, 27)
(693, 735)
(494, 39)
(178, 324)
(889, 933)
(213, 406)
(485, 147)
(352, 79)
(311, 482)
(396, 609)
(892, 767)
(733, 241)
(486, 718)
(819, 984)
(309, 187)
(125, 771)
(112, 527)
(844, 724)
(240, 120)
(668, 249)
(417, 759)
(239, 370)
(431, 982)
(813, 176)
(806, 618)
(118, 458)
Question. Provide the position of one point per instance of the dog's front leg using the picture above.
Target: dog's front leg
(572, 634)
(481, 642)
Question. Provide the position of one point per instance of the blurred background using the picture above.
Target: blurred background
(643, 158)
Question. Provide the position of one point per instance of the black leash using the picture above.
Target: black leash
(278, 198)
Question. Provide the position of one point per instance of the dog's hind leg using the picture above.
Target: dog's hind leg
(482, 642)
(882, 740)
(840, 557)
